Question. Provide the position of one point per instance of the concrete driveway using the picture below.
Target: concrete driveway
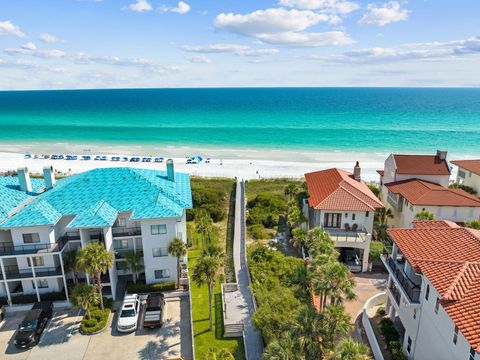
(61, 339)
(368, 285)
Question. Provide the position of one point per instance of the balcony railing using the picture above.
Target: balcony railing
(13, 272)
(120, 253)
(96, 236)
(70, 236)
(347, 236)
(124, 231)
(11, 249)
(411, 289)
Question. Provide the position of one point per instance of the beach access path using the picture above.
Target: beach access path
(252, 337)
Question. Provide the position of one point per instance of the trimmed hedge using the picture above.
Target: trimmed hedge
(98, 318)
(144, 288)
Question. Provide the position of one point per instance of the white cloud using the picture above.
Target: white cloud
(271, 21)
(8, 28)
(200, 59)
(48, 38)
(140, 6)
(408, 52)
(181, 8)
(336, 6)
(240, 50)
(284, 27)
(305, 39)
(385, 14)
(29, 46)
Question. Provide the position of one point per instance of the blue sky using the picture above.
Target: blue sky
(67, 44)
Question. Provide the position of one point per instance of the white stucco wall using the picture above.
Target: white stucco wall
(470, 179)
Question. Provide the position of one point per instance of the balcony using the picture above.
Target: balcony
(97, 235)
(410, 285)
(395, 201)
(13, 272)
(120, 253)
(11, 249)
(70, 236)
(124, 231)
(339, 235)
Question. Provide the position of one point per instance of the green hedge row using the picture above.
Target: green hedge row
(143, 288)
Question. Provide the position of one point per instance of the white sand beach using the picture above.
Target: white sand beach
(246, 164)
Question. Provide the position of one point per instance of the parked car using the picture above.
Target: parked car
(350, 258)
(128, 317)
(32, 326)
(154, 311)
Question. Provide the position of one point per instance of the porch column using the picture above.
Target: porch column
(32, 265)
(7, 290)
(63, 276)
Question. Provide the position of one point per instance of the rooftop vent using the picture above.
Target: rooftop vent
(49, 176)
(357, 171)
(442, 154)
(24, 179)
(170, 170)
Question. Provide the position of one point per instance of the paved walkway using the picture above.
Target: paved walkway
(252, 337)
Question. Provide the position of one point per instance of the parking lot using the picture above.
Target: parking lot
(61, 338)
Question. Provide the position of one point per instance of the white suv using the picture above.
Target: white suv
(128, 317)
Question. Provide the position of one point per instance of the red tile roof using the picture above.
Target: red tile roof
(380, 172)
(420, 192)
(449, 257)
(335, 189)
(470, 165)
(421, 165)
(434, 224)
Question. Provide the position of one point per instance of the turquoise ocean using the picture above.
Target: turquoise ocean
(313, 119)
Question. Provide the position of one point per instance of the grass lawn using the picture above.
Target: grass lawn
(205, 339)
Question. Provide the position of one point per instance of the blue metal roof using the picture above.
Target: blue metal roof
(96, 197)
(11, 196)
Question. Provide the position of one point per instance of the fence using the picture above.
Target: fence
(372, 302)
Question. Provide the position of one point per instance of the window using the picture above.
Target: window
(346, 215)
(31, 238)
(472, 354)
(37, 261)
(414, 313)
(159, 252)
(409, 344)
(455, 212)
(162, 274)
(437, 305)
(158, 229)
(353, 216)
(427, 292)
(461, 174)
(120, 222)
(121, 244)
(42, 284)
(332, 220)
(455, 335)
(367, 213)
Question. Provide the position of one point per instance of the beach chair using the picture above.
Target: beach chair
(354, 227)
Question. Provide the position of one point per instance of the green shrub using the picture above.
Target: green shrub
(89, 322)
(266, 209)
(211, 200)
(388, 331)
(381, 311)
(144, 288)
(97, 321)
(258, 232)
(396, 350)
(465, 188)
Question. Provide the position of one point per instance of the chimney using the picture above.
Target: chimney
(442, 155)
(170, 170)
(357, 172)
(49, 176)
(24, 179)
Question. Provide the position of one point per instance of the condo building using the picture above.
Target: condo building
(126, 209)
(433, 290)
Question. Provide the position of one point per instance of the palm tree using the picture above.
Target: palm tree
(70, 263)
(219, 354)
(204, 224)
(281, 349)
(291, 190)
(425, 215)
(336, 324)
(207, 271)
(383, 215)
(307, 331)
(133, 262)
(349, 349)
(95, 260)
(318, 242)
(85, 296)
(177, 248)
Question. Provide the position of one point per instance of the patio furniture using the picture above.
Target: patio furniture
(354, 227)
(347, 227)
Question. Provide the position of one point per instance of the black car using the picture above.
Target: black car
(32, 326)
(154, 311)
